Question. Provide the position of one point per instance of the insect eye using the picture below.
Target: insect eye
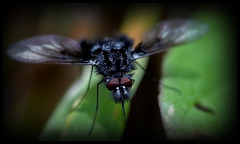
(112, 84)
(126, 82)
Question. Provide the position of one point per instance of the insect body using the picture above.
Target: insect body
(112, 57)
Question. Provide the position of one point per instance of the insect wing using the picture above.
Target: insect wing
(52, 49)
(167, 34)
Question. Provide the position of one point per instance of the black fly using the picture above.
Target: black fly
(113, 57)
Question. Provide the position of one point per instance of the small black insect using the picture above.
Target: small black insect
(113, 57)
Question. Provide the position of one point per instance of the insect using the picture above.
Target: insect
(113, 57)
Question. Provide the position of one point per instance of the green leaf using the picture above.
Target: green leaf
(73, 118)
(200, 70)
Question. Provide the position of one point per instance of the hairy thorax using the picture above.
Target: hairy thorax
(113, 56)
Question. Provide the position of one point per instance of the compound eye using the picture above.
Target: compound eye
(126, 82)
(112, 84)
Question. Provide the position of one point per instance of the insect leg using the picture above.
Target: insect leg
(155, 80)
(95, 115)
(82, 98)
(89, 82)
(124, 112)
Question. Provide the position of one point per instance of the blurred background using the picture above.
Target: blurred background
(31, 91)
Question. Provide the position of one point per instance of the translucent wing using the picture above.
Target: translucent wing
(48, 49)
(167, 34)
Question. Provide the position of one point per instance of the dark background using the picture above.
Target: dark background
(31, 92)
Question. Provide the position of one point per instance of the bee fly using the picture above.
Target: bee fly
(113, 57)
